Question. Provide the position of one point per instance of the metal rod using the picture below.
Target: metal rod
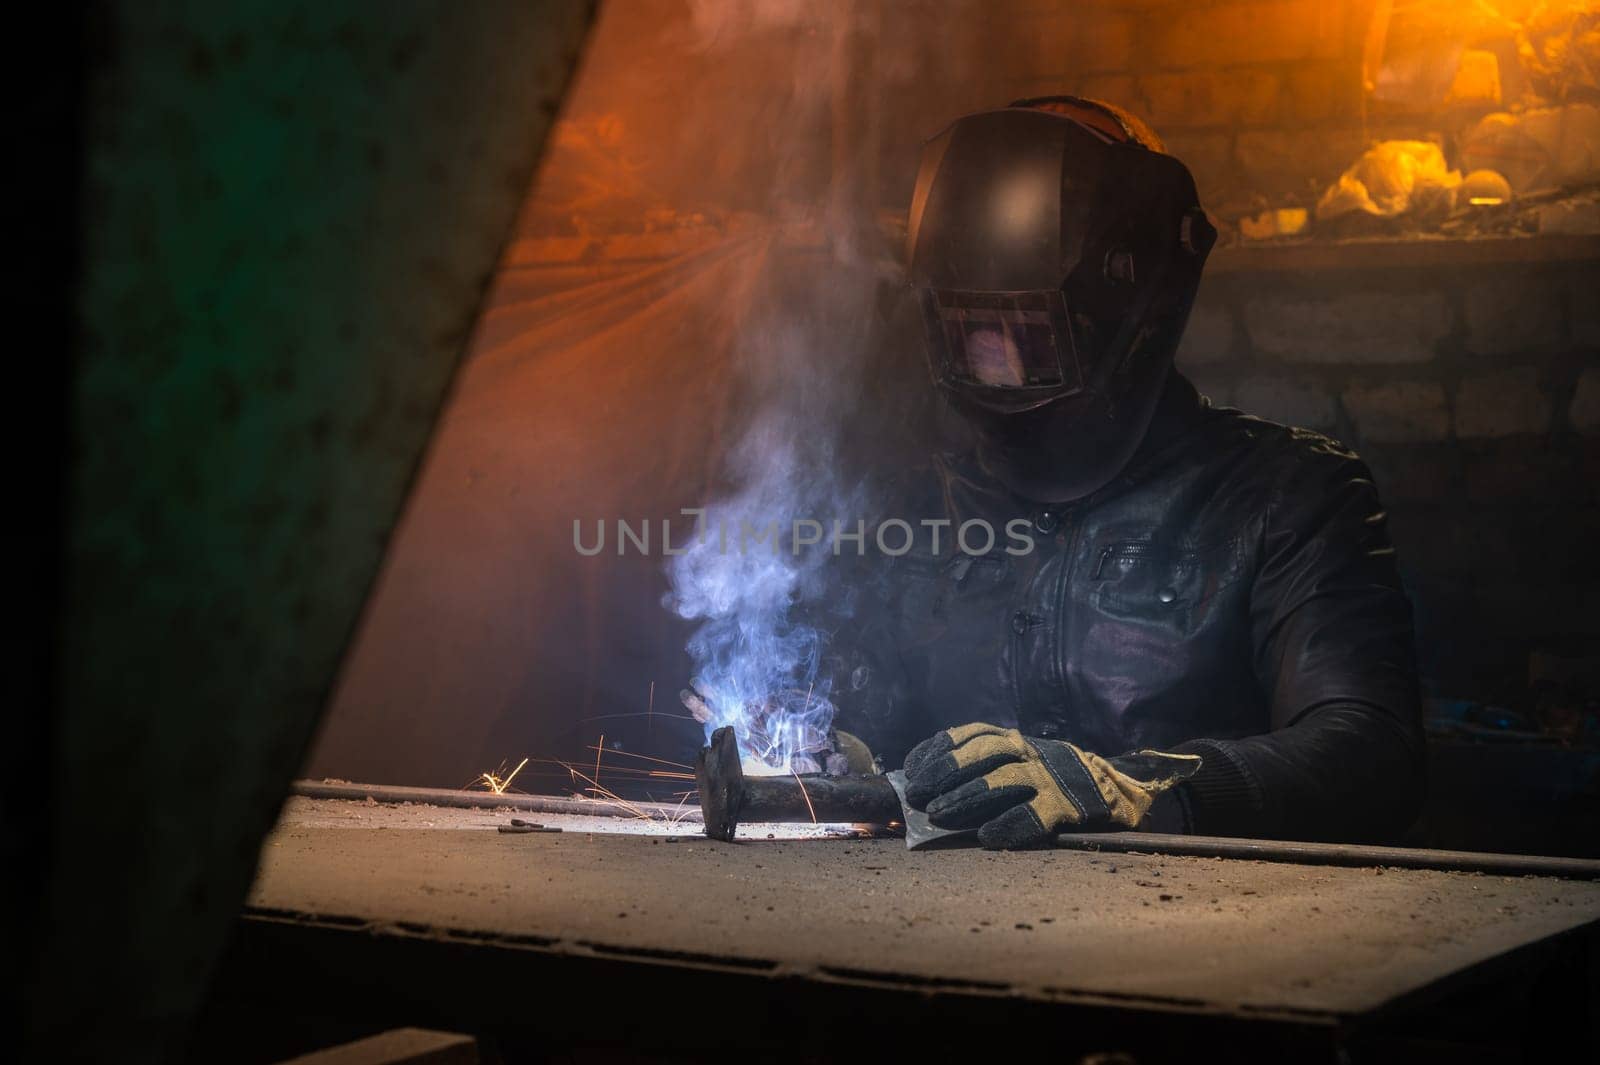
(488, 800)
(862, 799)
(1271, 850)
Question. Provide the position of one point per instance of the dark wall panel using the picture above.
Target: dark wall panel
(289, 217)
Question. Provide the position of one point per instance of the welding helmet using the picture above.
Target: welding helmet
(1055, 257)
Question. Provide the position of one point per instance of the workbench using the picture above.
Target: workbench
(795, 947)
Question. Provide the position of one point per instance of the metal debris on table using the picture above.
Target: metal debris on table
(518, 826)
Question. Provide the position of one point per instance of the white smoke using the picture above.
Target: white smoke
(751, 586)
(758, 646)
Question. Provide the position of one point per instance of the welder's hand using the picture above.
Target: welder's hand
(1020, 792)
(858, 758)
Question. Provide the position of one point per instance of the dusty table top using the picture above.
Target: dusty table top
(1218, 933)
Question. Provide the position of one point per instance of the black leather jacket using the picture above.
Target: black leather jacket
(1233, 593)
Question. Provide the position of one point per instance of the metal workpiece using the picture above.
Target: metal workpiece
(727, 796)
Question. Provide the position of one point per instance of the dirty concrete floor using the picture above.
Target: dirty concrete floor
(1223, 933)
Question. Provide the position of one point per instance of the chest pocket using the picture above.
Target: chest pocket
(940, 594)
(1172, 585)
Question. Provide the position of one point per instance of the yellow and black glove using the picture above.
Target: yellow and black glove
(1020, 792)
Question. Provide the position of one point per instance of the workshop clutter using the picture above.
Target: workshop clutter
(1493, 116)
(1393, 178)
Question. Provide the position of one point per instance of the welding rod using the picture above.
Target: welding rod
(488, 800)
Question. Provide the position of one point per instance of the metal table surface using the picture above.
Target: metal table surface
(1300, 946)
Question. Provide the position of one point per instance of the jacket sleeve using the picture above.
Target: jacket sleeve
(1334, 654)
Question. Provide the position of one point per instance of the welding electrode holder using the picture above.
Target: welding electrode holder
(727, 796)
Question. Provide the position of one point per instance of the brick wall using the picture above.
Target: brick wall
(1473, 391)
(1262, 98)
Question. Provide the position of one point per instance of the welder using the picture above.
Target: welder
(1210, 634)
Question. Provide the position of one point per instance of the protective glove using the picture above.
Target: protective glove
(1020, 792)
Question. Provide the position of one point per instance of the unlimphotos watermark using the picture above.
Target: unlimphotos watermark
(892, 536)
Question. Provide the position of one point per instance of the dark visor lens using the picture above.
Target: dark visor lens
(1005, 340)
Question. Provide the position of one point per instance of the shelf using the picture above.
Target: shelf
(1402, 253)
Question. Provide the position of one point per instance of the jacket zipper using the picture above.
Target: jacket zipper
(1058, 652)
